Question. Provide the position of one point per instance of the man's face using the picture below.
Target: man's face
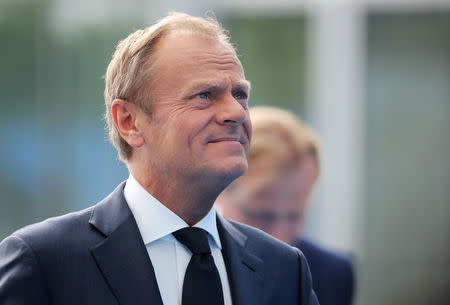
(278, 205)
(199, 128)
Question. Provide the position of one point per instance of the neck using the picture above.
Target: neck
(190, 199)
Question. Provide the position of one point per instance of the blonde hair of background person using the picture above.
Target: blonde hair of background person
(130, 75)
(284, 151)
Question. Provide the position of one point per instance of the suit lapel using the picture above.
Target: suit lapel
(245, 271)
(122, 256)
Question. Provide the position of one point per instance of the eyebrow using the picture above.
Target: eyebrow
(208, 85)
(245, 84)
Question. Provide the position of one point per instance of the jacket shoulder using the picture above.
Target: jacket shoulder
(57, 231)
(261, 242)
(76, 226)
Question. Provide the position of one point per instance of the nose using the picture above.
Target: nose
(231, 111)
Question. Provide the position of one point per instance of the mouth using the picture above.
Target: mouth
(228, 139)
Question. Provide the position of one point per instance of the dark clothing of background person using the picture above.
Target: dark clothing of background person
(332, 274)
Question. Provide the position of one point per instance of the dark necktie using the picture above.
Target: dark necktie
(202, 284)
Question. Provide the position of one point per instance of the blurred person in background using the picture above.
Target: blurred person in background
(176, 108)
(273, 195)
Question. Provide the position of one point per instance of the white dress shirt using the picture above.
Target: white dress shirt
(169, 257)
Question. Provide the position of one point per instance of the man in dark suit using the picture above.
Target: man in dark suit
(273, 195)
(176, 108)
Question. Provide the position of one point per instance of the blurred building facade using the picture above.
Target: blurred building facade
(373, 77)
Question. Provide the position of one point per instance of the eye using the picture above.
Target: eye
(203, 95)
(240, 95)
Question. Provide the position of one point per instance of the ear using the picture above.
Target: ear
(125, 115)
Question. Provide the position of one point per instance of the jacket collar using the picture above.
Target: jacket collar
(122, 256)
(245, 270)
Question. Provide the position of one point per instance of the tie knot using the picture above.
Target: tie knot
(195, 239)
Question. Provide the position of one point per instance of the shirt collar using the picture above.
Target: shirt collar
(155, 220)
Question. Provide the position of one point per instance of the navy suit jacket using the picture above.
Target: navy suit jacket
(97, 256)
(332, 274)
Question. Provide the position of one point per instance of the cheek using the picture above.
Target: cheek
(183, 139)
(248, 127)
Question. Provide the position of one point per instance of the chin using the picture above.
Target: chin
(227, 173)
(235, 171)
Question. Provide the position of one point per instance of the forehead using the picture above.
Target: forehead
(181, 53)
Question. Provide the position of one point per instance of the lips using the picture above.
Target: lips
(228, 139)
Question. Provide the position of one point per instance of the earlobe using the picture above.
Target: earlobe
(125, 118)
